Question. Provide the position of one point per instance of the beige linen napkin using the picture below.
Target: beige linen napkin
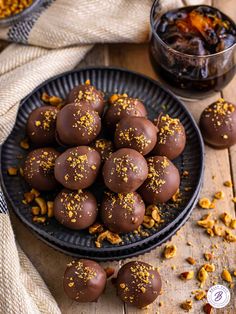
(56, 37)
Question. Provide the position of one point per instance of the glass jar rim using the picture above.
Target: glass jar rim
(179, 52)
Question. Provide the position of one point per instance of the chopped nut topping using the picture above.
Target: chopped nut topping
(12, 171)
(111, 237)
(170, 251)
(187, 275)
(187, 305)
(219, 195)
(109, 271)
(226, 218)
(42, 204)
(226, 275)
(24, 143)
(208, 256)
(209, 267)
(96, 228)
(202, 275)
(191, 260)
(200, 294)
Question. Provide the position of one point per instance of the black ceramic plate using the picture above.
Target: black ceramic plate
(156, 99)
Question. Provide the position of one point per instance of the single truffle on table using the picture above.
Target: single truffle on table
(138, 284)
(125, 170)
(77, 124)
(162, 182)
(137, 133)
(122, 107)
(122, 212)
(104, 147)
(38, 169)
(41, 125)
(171, 138)
(88, 93)
(218, 124)
(78, 167)
(75, 209)
(84, 280)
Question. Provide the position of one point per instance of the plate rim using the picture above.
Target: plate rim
(34, 227)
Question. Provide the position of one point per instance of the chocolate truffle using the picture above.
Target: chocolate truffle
(78, 167)
(123, 107)
(125, 170)
(138, 284)
(122, 212)
(218, 124)
(171, 138)
(137, 133)
(75, 209)
(88, 93)
(162, 182)
(104, 147)
(41, 125)
(39, 169)
(77, 124)
(84, 280)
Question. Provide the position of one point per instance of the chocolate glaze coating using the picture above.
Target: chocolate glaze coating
(171, 138)
(218, 124)
(125, 171)
(137, 133)
(75, 209)
(122, 212)
(77, 124)
(138, 284)
(78, 167)
(104, 147)
(84, 280)
(39, 168)
(121, 108)
(41, 125)
(162, 182)
(88, 93)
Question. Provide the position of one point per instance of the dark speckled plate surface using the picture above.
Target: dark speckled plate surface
(156, 99)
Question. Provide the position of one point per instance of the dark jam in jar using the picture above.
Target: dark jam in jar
(190, 50)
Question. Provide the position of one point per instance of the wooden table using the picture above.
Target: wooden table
(219, 164)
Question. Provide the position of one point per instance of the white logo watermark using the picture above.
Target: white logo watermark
(218, 296)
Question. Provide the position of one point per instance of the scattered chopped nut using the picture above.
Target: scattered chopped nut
(12, 171)
(233, 224)
(39, 219)
(155, 215)
(29, 197)
(35, 210)
(50, 209)
(226, 218)
(161, 303)
(235, 273)
(96, 228)
(219, 195)
(148, 222)
(210, 232)
(234, 199)
(24, 143)
(21, 171)
(218, 230)
(200, 294)
(208, 256)
(52, 100)
(229, 236)
(114, 97)
(204, 203)
(209, 267)
(187, 275)
(176, 197)
(35, 192)
(185, 173)
(187, 305)
(226, 275)
(205, 222)
(170, 251)
(191, 260)
(42, 204)
(207, 308)
(109, 271)
(202, 275)
(229, 184)
(109, 236)
(87, 82)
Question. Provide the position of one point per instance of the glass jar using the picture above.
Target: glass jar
(187, 75)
